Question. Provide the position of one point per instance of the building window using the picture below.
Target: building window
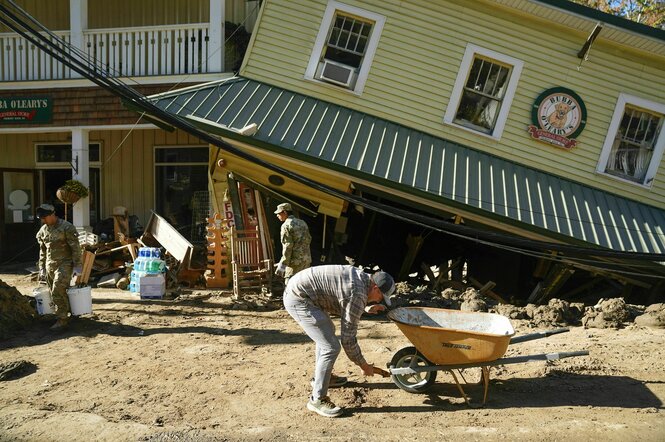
(483, 91)
(181, 189)
(345, 46)
(55, 163)
(59, 153)
(634, 144)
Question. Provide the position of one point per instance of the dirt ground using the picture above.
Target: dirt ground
(208, 369)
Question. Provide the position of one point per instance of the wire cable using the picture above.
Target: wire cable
(83, 66)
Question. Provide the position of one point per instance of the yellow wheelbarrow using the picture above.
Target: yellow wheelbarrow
(453, 340)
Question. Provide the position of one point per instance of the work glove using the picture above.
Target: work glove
(375, 309)
(280, 269)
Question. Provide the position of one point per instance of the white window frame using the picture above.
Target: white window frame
(465, 67)
(333, 7)
(659, 146)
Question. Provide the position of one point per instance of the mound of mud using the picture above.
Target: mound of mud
(654, 316)
(609, 313)
(16, 313)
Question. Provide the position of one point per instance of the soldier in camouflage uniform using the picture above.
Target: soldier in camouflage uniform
(59, 258)
(295, 238)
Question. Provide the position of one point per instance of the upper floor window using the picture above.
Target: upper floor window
(483, 91)
(345, 46)
(635, 140)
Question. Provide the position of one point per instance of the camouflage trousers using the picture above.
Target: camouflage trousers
(290, 271)
(58, 277)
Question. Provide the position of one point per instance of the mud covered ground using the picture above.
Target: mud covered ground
(203, 368)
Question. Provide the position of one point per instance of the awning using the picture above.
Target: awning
(274, 194)
(327, 204)
(330, 140)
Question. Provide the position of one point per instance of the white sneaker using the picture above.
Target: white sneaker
(324, 407)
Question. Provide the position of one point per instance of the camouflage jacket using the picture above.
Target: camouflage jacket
(58, 244)
(295, 239)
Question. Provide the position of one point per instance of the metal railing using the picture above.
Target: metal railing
(22, 61)
(120, 52)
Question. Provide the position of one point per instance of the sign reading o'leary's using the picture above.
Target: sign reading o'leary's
(26, 110)
(558, 116)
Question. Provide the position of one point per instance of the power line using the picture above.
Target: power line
(553, 218)
(78, 61)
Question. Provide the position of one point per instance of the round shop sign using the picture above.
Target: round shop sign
(558, 116)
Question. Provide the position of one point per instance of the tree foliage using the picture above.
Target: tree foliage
(648, 12)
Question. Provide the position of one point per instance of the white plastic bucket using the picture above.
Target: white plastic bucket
(80, 300)
(43, 300)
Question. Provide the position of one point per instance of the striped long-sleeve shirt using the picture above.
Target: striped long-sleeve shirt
(340, 290)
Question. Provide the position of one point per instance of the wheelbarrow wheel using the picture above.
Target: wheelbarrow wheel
(409, 357)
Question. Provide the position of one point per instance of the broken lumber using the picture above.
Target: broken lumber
(486, 289)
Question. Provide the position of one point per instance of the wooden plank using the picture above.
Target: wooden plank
(88, 259)
(115, 249)
(430, 274)
(485, 289)
(413, 244)
(170, 239)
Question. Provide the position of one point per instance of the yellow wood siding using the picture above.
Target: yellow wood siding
(18, 150)
(112, 14)
(54, 14)
(418, 58)
(127, 163)
(128, 172)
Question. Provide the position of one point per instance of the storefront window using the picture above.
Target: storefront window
(55, 162)
(181, 189)
(58, 153)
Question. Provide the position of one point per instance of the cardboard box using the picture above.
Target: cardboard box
(152, 286)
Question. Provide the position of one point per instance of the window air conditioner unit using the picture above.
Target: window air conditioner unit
(337, 73)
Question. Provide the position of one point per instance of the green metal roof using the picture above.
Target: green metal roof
(381, 151)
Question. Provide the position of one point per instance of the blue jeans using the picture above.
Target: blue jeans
(320, 328)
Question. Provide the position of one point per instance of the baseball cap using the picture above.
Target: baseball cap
(284, 207)
(45, 210)
(385, 283)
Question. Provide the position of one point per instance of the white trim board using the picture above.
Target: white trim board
(46, 129)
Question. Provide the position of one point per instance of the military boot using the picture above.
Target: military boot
(60, 324)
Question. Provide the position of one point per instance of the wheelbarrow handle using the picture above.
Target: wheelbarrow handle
(538, 335)
(540, 357)
(502, 361)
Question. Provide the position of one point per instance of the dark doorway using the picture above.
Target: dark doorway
(18, 195)
(53, 179)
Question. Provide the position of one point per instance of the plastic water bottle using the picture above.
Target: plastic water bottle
(157, 266)
(139, 263)
(132, 281)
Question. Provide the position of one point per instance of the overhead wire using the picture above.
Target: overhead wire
(78, 61)
(479, 202)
